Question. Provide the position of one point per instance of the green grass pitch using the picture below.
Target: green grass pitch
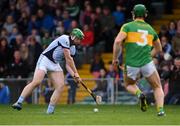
(84, 115)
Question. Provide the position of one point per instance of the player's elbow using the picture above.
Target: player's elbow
(157, 46)
(159, 49)
(67, 66)
(117, 43)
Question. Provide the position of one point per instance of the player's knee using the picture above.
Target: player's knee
(129, 82)
(36, 83)
(156, 85)
(59, 88)
(128, 85)
(159, 90)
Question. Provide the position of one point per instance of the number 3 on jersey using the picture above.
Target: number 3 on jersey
(143, 40)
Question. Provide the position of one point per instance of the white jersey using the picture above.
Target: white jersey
(54, 51)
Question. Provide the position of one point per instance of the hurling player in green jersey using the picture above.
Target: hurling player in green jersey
(139, 43)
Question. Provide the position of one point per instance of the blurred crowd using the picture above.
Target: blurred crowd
(27, 27)
(168, 62)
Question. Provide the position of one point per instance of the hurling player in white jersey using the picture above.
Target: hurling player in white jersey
(60, 49)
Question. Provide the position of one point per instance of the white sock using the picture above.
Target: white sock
(20, 100)
(50, 109)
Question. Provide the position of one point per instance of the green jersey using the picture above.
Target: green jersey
(138, 44)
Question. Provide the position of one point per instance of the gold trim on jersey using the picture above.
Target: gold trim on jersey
(134, 37)
(123, 32)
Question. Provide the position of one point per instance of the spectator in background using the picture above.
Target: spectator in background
(72, 86)
(57, 16)
(107, 20)
(87, 42)
(23, 23)
(165, 44)
(96, 65)
(112, 72)
(73, 9)
(74, 24)
(164, 32)
(176, 41)
(98, 11)
(103, 3)
(101, 84)
(12, 10)
(46, 40)
(17, 68)
(85, 16)
(172, 29)
(167, 49)
(119, 16)
(35, 50)
(96, 27)
(88, 36)
(96, 24)
(4, 34)
(9, 24)
(4, 94)
(113, 78)
(14, 33)
(5, 56)
(173, 96)
(85, 3)
(48, 91)
(16, 44)
(45, 21)
(59, 29)
(54, 5)
(36, 35)
(107, 24)
(33, 23)
(40, 4)
(164, 70)
(66, 19)
(25, 55)
(23, 6)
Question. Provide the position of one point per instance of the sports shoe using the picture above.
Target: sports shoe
(17, 106)
(50, 113)
(143, 102)
(161, 113)
(50, 109)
